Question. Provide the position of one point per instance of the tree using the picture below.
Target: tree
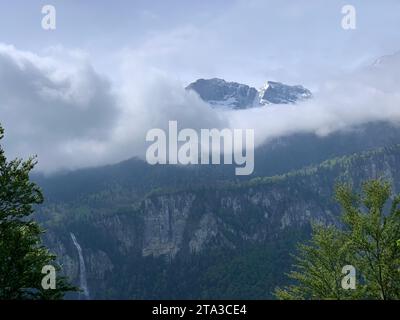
(22, 255)
(367, 240)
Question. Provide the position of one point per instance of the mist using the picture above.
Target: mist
(60, 108)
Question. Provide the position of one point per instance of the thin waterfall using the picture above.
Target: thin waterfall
(82, 270)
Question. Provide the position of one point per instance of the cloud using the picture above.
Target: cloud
(59, 107)
(46, 103)
(367, 95)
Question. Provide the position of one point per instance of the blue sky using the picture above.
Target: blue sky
(250, 41)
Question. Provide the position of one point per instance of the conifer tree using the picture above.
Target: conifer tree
(22, 254)
(366, 240)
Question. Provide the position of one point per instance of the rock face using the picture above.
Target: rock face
(165, 224)
(279, 93)
(232, 95)
(259, 210)
(218, 92)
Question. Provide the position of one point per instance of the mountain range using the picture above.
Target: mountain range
(136, 231)
(166, 232)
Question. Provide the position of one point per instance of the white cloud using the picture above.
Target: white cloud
(368, 95)
(59, 107)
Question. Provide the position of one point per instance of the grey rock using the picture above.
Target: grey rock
(219, 92)
(279, 93)
(233, 95)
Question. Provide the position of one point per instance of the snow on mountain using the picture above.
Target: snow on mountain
(279, 93)
(233, 95)
(219, 92)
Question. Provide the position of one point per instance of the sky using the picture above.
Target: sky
(249, 41)
(85, 93)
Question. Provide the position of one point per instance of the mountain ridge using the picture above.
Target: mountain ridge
(233, 95)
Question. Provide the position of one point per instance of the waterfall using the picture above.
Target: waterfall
(82, 269)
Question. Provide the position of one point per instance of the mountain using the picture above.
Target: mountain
(219, 92)
(233, 95)
(279, 93)
(188, 232)
(231, 241)
(200, 232)
(134, 177)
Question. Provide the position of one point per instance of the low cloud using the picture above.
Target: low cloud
(59, 107)
(367, 95)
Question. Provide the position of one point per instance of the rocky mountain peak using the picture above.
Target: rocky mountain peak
(279, 93)
(219, 92)
(233, 95)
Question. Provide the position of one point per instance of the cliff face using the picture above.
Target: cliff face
(147, 242)
(256, 211)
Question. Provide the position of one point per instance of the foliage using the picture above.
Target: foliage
(22, 256)
(367, 241)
